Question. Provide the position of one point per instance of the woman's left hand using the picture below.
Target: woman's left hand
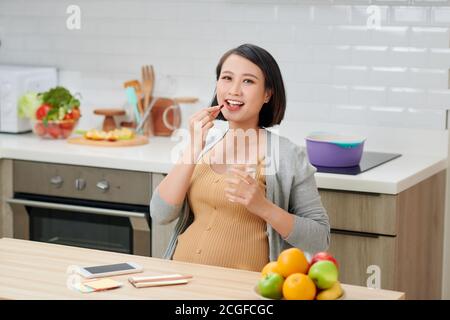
(245, 190)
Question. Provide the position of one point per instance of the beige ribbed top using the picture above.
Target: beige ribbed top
(223, 233)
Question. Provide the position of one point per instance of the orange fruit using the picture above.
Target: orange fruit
(291, 261)
(271, 267)
(299, 286)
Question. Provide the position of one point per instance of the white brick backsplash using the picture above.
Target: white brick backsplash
(303, 92)
(390, 35)
(350, 75)
(351, 35)
(407, 97)
(368, 95)
(13, 44)
(429, 78)
(349, 114)
(332, 54)
(413, 15)
(326, 15)
(311, 73)
(335, 67)
(434, 37)
(439, 58)
(308, 111)
(438, 99)
(386, 116)
(440, 15)
(339, 94)
(391, 76)
(318, 35)
(284, 33)
(298, 14)
(408, 57)
(258, 13)
(37, 43)
(370, 55)
(426, 118)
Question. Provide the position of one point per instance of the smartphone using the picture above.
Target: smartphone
(109, 270)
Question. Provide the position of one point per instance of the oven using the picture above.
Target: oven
(90, 207)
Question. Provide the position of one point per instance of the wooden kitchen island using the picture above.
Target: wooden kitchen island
(36, 270)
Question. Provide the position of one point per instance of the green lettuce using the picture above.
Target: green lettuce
(28, 103)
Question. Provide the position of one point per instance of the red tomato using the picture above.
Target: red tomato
(42, 111)
(40, 129)
(54, 130)
(76, 114)
(66, 132)
(67, 125)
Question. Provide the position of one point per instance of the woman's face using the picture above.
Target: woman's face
(241, 89)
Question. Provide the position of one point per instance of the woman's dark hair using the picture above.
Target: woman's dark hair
(271, 112)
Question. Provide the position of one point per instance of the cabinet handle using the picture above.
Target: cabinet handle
(355, 233)
(75, 208)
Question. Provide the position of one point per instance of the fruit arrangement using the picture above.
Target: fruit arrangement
(54, 113)
(113, 135)
(292, 277)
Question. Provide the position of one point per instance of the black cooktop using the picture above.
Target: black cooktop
(368, 161)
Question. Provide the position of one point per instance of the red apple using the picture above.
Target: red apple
(323, 256)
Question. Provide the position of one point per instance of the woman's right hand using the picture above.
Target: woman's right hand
(199, 125)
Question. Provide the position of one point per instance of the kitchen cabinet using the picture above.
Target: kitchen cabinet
(400, 234)
(6, 191)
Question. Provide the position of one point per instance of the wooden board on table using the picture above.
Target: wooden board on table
(136, 141)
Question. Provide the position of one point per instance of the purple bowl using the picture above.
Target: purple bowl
(325, 150)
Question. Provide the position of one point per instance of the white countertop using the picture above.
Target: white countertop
(390, 178)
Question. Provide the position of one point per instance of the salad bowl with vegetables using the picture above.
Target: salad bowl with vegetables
(53, 114)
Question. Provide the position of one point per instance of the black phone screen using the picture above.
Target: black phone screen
(109, 268)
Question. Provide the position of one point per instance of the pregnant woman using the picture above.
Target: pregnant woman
(228, 216)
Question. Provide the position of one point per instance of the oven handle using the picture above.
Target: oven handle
(67, 207)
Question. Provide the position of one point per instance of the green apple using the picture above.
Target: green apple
(324, 274)
(271, 286)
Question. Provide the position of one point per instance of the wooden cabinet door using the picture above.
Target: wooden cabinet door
(160, 233)
(356, 252)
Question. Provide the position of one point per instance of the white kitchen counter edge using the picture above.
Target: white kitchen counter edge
(390, 178)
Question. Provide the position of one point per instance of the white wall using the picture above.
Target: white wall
(336, 69)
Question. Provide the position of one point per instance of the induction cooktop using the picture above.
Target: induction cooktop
(368, 161)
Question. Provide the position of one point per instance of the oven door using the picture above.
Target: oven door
(82, 223)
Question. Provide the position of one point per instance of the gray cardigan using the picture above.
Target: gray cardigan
(290, 184)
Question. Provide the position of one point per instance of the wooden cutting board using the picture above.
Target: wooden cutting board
(137, 141)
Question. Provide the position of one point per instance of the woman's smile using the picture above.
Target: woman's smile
(233, 104)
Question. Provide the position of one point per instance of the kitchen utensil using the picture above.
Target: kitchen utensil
(109, 123)
(133, 100)
(146, 115)
(148, 82)
(138, 90)
(331, 150)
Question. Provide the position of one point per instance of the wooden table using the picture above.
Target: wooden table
(36, 270)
